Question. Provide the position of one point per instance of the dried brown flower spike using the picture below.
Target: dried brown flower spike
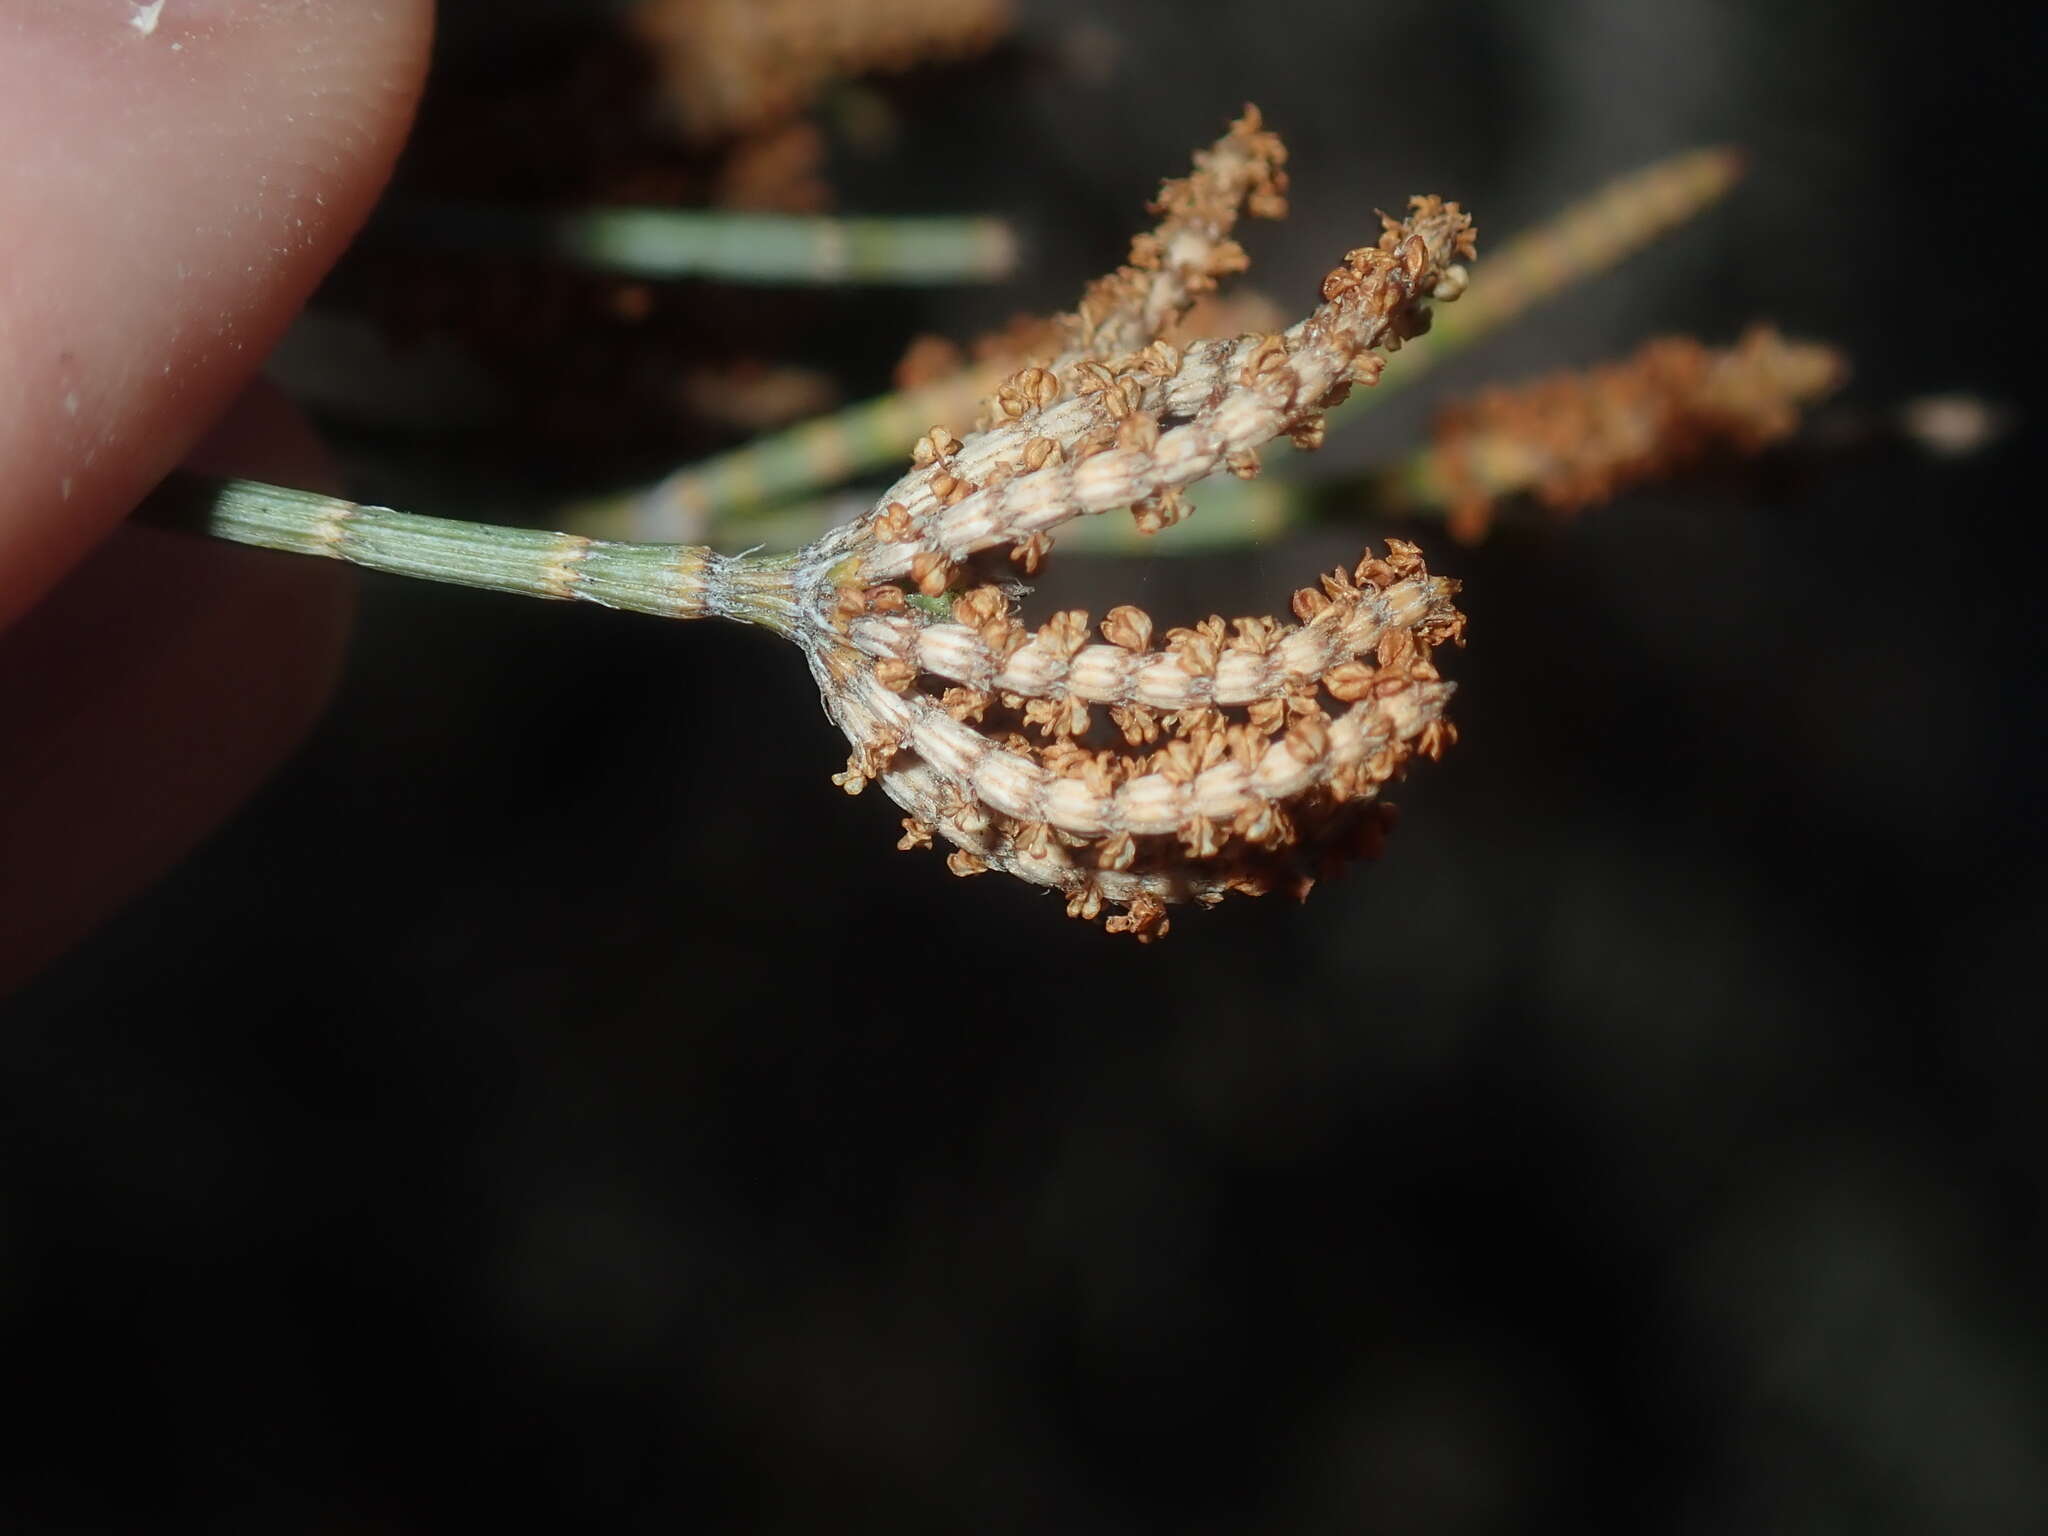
(1577, 439)
(1242, 756)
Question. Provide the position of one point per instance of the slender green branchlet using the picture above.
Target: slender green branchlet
(769, 248)
(675, 581)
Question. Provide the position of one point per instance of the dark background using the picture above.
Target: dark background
(553, 1099)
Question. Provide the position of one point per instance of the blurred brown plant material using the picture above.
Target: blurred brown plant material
(731, 66)
(1238, 756)
(1574, 439)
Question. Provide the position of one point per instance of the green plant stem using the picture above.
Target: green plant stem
(1580, 242)
(729, 247)
(675, 581)
(772, 471)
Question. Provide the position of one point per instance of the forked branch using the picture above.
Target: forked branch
(1243, 756)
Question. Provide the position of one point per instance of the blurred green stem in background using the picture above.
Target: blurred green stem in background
(759, 248)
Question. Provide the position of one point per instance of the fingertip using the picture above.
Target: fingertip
(171, 197)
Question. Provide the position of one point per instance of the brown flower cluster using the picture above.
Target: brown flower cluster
(1172, 268)
(1230, 756)
(1576, 439)
(733, 66)
(1182, 258)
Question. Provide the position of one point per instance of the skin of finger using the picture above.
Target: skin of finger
(171, 192)
(163, 678)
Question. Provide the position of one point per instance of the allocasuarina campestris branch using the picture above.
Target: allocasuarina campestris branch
(1243, 756)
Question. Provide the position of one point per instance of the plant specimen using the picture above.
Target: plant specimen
(1128, 767)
